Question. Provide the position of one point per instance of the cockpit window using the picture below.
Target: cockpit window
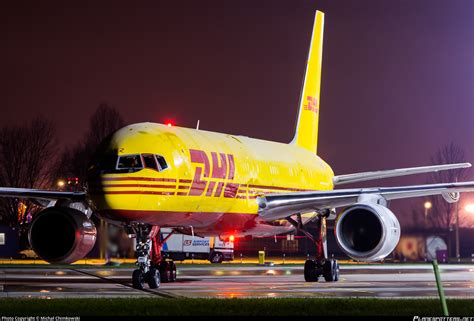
(161, 162)
(111, 163)
(150, 161)
(130, 162)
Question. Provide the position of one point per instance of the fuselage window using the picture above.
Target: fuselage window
(149, 161)
(130, 162)
(161, 162)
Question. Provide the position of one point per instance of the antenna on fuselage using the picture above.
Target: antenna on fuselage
(197, 125)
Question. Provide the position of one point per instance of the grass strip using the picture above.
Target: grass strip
(235, 307)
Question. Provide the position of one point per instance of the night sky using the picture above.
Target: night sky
(397, 78)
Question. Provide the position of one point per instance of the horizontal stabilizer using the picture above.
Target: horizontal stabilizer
(367, 176)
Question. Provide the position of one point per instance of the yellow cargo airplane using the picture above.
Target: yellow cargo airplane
(146, 176)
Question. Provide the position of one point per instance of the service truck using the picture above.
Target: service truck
(180, 247)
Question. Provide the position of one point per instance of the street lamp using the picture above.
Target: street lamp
(427, 206)
(61, 183)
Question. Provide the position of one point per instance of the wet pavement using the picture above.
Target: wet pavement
(228, 281)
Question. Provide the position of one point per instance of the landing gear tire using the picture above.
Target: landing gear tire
(216, 257)
(310, 271)
(138, 279)
(153, 278)
(165, 271)
(336, 271)
(168, 271)
(331, 270)
(173, 271)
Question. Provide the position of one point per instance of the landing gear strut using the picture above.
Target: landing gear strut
(321, 265)
(152, 267)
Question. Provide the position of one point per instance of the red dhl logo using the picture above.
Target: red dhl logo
(211, 174)
(311, 104)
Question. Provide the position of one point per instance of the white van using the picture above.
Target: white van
(180, 247)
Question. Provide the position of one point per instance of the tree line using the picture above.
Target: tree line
(29, 158)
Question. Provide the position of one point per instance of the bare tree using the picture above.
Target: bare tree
(27, 159)
(103, 122)
(441, 215)
(75, 161)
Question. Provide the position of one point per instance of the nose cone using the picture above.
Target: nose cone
(111, 187)
(124, 166)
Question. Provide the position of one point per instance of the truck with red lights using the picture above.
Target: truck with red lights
(180, 247)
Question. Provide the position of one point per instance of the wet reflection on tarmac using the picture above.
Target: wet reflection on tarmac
(229, 281)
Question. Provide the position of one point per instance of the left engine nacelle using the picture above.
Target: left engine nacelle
(367, 232)
(62, 235)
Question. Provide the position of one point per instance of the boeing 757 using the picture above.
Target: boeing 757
(149, 176)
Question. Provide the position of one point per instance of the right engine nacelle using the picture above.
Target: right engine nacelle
(367, 232)
(62, 235)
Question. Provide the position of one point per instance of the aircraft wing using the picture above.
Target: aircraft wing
(41, 194)
(279, 206)
(367, 176)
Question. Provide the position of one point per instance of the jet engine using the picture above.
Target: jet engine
(367, 232)
(62, 235)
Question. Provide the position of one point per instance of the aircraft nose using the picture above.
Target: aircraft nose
(110, 192)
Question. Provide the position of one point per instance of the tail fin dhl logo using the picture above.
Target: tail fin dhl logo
(311, 104)
(216, 171)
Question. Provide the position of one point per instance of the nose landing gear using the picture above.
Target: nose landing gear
(152, 267)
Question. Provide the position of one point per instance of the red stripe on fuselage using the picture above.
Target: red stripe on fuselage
(133, 193)
(137, 179)
(267, 188)
(279, 188)
(135, 185)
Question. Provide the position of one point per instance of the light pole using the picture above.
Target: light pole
(427, 206)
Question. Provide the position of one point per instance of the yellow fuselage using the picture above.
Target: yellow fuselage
(211, 182)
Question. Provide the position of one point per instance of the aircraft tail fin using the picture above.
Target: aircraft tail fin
(306, 135)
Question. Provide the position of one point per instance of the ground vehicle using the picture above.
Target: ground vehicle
(180, 247)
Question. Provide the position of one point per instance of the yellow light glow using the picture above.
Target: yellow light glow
(469, 208)
(428, 205)
(61, 183)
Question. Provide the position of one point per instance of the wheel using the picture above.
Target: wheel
(336, 271)
(310, 271)
(153, 278)
(173, 271)
(216, 257)
(331, 270)
(138, 279)
(165, 271)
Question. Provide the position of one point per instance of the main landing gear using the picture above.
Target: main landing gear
(321, 265)
(152, 267)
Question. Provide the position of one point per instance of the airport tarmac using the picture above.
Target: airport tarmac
(233, 281)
